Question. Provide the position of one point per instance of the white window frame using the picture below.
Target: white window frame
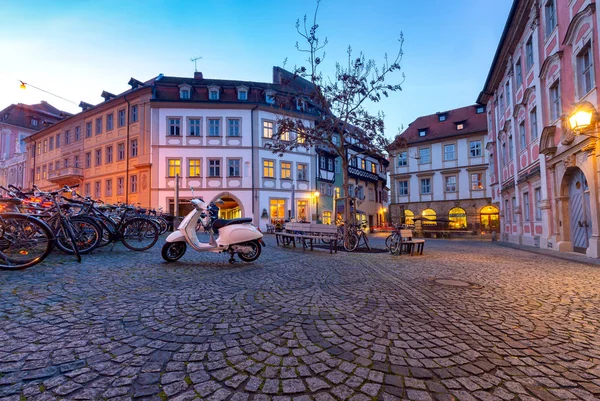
(448, 186)
(449, 156)
(400, 187)
(423, 185)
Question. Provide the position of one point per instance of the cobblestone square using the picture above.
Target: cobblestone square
(466, 321)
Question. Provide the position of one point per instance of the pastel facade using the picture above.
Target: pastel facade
(544, 177)
(438, 170)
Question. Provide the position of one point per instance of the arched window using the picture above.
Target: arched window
(490, 218)
(429, 214)
(409, 217)
(458, 219)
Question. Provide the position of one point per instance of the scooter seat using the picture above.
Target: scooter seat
(218, 223)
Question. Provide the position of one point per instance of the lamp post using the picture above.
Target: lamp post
(583, 119)
(316, 194)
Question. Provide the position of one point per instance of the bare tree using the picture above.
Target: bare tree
(343, 122)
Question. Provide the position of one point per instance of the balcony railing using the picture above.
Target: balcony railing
(65, 174)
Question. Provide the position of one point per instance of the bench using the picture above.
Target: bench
(307, 233)
(409, 243)
(270, 229)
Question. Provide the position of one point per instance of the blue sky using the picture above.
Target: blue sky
(77, 49)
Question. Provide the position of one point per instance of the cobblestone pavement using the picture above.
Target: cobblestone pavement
(468, 320)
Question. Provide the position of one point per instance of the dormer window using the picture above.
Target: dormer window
(34, 122)
(460, 126)
(242, 92)
(441, 117)
(270, 97)
(422, 132)
(185, 92)
(479, 109)
(300, 105)
(213, 92)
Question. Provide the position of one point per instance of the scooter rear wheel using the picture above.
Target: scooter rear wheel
(251, 255)
(172, 251)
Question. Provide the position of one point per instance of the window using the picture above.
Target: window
(87, 189)
(430, 217)
(270, 97)
(450, 152)
(403, 188)
(504, 153)
(66, 163)
(67, 137)
(57, 141)
(267, 129)
(109, 122)
(533, 122)
(425, 186)
(424, 157)
(133, 183)
(194, 167)
(174, 127)
(402, 159)
(373, 167)
(45, 148)
(51, 143)
(98, 125)
(76, 165)
(109, 154)
(480, 109)
(173, 167)
(213, 94)
(39, 148)
(549, 17)
(326, 217)
(338, 165)
(409, 217)
(519, 73)
(38, 173)
(555, 101)
(98, 157)
(108, 189)
(302, 172)
(268, 169)
(134, 148)
(526, 206)
(501, 102)
(507, 91)
(277, 210)
(120, 186)
(44, 172)
(77, 133)
(286, 171)
(514, 208)
(460, 126)
(97, 189)
(441, 117)
(475, 148)
(476, 181)
(538, 198)
(34, 122)
(121, 117)
(195, 125)
(522, 135)
(585, 71)
(121, 151)
(214, 168)
(242, 94)
(88, 159)
(184, 94)
(422, 132)
(285, 136)
(458, 218)
(234, 167)
(88, 129)
(233, 127)
(214, 127)
(322, 161)
(510, 147)
(529, 54)
(134, 114)
(492, 165)
(330, 164)
(363, 164)
(450, 183)
(360, 192)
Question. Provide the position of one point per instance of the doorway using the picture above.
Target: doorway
(579, 211)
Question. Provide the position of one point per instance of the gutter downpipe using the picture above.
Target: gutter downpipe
(127, 150)
(252, 166)
(33, 171)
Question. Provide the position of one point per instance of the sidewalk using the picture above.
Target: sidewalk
(570, 256)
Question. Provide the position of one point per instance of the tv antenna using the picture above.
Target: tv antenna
(195, 60)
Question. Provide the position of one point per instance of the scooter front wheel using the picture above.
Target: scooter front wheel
(172, 251)
(253, 251)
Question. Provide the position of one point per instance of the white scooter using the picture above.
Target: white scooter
(235, 236)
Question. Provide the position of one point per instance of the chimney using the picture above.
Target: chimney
(198, 75)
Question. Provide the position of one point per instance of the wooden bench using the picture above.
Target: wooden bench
(270, 229)
(307, 234)
(409, 243)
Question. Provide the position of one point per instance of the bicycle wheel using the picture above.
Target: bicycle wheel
(87, 233)
(164, 226)
(351, 242)
(395, 244)
(24, 241)
(66, 240)
(139, 234)
(388, 241)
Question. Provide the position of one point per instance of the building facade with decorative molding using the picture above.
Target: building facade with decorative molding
(438, 172)
(544, 177)
(17, 123)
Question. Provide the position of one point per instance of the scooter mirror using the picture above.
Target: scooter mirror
(220, 201)
(192, 189)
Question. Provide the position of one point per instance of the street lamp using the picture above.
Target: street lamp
(583, 119)
(316, 194)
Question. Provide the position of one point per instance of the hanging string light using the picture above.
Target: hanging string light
(24, 86)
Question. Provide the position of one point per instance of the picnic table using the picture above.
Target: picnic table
(307, 234)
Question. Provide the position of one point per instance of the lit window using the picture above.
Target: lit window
(429, 217)
(286, 171)
(268, 169)
(267, 129)
(451, 183)
(173, 167)
(409, 217)
(458, 218)
(194, 167)
(477, 181)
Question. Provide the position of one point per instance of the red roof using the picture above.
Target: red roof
(435, 129)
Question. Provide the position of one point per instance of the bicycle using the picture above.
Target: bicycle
(24, 241)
